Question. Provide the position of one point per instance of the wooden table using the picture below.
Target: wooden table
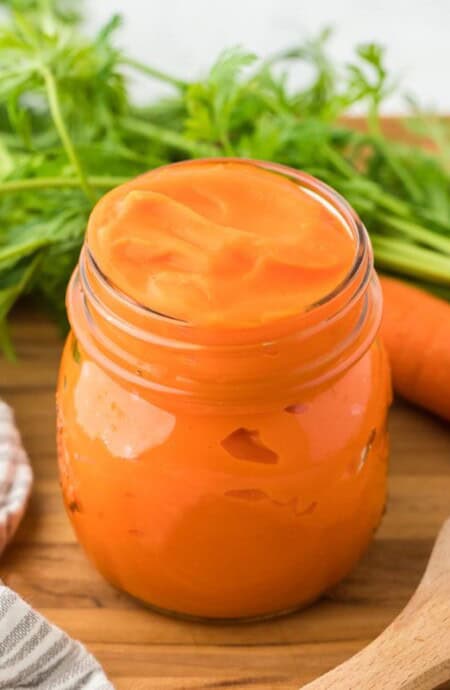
(142, 650)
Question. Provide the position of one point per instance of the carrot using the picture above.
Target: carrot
(416, 332)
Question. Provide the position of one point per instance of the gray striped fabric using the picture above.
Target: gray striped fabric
(36, 654)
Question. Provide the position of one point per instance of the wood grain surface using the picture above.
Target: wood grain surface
(141, 650)
(413, 652)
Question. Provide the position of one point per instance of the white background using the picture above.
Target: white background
(184, 36)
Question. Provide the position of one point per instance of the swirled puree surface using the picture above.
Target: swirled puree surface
(220, 243)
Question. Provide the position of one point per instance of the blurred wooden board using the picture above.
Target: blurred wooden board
(142, 650)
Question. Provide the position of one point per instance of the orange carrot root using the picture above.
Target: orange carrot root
(416, 332)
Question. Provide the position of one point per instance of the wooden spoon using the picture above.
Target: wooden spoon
(413, 653)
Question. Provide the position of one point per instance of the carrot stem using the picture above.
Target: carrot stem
(53, 182)
(169, 138)
(417, 232)
(155, 73)
(396, 255)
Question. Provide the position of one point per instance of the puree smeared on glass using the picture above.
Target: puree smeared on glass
(223, 243)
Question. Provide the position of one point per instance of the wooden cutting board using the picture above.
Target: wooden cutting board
(141, 650)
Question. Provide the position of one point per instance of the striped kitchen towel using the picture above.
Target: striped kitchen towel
(36, 654)
(33, 652)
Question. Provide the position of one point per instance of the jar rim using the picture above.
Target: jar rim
(232, 368)
(254, 333)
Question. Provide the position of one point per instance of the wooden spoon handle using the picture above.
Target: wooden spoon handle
(413, 653)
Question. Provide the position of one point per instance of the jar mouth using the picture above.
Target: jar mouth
(231, 368)
(325, 194)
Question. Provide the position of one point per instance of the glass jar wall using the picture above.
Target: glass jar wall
(225, 474)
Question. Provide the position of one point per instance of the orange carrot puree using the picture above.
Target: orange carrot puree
(233, 465)
(223, 243)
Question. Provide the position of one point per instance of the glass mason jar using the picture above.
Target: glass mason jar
(225, 474)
